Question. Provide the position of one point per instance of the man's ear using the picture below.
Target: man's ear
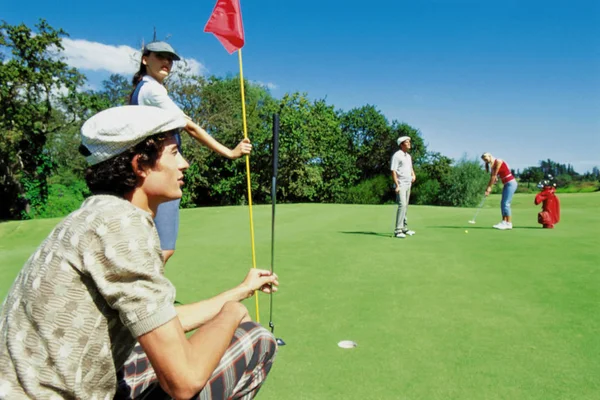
(137, 169)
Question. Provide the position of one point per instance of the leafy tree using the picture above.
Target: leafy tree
(418, 150)
(532, 174)
(373, 141)
(371, 137)
(339, 169)
(432, 172)
(563, 180)
(34, 84)
(300, 172)
(215, 103)
(116, 89)
(464, 185)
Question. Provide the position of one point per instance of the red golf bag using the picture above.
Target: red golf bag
(550, 213)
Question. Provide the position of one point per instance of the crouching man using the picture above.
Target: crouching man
(91, 314)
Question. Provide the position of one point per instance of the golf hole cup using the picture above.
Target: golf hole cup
(347, 344)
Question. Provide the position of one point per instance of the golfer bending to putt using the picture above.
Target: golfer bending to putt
(499, 168)
(91, 314)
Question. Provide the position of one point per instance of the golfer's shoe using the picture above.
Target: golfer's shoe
(409, 232)
(499, 225)
(505, 226)
(400, 235)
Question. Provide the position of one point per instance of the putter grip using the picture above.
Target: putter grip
(275, 144)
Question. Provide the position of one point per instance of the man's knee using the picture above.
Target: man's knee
(260, 338)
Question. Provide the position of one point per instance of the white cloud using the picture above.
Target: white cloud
(95, 56)
(268, 85)
(195, 67)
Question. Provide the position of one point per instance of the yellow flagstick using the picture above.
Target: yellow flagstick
(248, 175)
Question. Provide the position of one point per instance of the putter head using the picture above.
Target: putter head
(280, 342)
(472, 221)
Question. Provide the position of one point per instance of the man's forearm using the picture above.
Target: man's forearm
(184, 365)
(196, 314)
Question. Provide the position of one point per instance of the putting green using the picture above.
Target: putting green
(440, 315)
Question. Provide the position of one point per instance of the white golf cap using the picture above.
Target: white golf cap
(402, 139)
(111, 132)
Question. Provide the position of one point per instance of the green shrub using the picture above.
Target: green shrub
(426, 193)
(465, 185)
(580, 187)
(62, 200)
(376, 190)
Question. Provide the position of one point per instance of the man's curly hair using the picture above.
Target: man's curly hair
(116, 175)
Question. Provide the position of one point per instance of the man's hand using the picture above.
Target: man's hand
(397, 188)
(243, 148)
(260, 279)
(414, 178)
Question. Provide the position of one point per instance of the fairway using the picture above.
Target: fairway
(444, 314)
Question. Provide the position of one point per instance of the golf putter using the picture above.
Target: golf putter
(279, 341)
(478, 209)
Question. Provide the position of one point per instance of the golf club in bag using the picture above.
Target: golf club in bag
(280, 341)
(472, 221)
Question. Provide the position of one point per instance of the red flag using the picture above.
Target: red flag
(225, 23)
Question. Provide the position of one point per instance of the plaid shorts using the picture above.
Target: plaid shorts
(239, 375)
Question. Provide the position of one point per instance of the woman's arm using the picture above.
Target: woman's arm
(154, 94)
(493, 175)
(244, 147)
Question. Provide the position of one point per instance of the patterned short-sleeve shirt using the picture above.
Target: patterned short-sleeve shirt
(75, 310)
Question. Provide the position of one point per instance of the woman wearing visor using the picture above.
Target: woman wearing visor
(155, 67)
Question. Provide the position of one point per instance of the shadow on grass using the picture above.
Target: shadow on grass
(479, 227)
(388, 235)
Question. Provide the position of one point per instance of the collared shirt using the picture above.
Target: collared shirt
(149, 92)
(402, 165)
(74, 312)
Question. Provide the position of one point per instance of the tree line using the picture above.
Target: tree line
(563, 174)
(326, 154)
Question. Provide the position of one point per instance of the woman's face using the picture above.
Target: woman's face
(158, 65)
(163, 182)
(487, 159)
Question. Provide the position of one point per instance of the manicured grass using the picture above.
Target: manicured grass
(442, 315)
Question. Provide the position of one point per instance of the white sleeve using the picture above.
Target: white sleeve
(394, 166)
(154, 94)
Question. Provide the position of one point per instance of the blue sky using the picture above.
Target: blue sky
(520, 79)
